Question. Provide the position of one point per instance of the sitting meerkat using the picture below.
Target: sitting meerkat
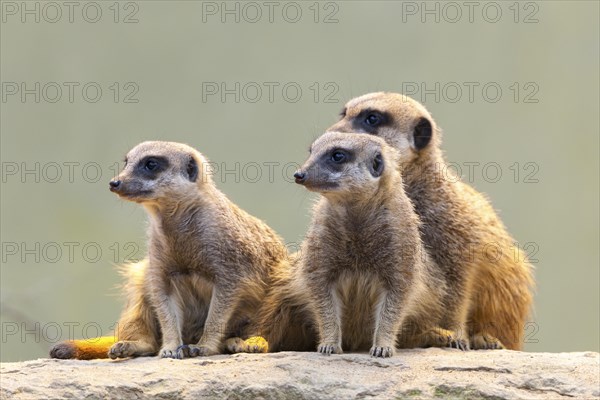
(209, 263)
(362, 264)
(489, 297)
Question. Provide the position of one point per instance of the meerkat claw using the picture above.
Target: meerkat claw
(380, 351)
(329, 349)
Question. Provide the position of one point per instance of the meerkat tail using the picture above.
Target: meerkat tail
(83, 349)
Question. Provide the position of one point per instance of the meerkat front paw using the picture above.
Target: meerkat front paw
(381, 351)
(194, 350)
(483, 341)
(329, 348)
(171, 352)
(254, 344)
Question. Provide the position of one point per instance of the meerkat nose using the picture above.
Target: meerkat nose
(300, 176)
(114, 185)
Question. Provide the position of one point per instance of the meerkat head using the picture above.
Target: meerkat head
(402, 122)
(343, 163)
(155, 171)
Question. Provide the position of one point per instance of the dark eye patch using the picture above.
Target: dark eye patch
(151, 166)
(370, 120)
(334, 162)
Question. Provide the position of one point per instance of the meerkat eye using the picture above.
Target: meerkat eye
(372, 120)
(338, 157)
(151, 165)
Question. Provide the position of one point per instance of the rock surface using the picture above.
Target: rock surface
(411, 374)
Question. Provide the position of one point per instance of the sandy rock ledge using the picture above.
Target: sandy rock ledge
(411, 374)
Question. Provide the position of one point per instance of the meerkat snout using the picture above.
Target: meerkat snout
(114, 185)
(300, 177)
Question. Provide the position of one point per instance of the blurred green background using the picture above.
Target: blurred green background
(513, 85)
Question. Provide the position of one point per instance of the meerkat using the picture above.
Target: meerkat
(362, 263)
(489, 293)
(209, 263)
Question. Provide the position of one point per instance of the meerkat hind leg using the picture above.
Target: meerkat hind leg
(254, 344)
(131, 348)
(484, 341)
(439, 337)
(455, 320)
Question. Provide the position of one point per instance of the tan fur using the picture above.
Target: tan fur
(488, 299)
(284, 319)
(362, 265)
(209, 263)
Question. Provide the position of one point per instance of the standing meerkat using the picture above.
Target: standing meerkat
(362, 263)
(489, 296)
(209, 263)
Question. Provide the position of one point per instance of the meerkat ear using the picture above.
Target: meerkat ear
(192, 169)
(422, 133)
(376, 167)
